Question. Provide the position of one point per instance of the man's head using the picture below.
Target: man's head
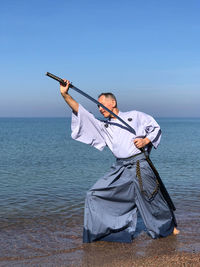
(110, 102)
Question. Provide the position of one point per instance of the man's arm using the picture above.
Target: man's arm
(68, 99)
(152, 129)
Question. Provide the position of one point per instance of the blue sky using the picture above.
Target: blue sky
(147, 52)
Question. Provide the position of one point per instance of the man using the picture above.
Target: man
(112, 203)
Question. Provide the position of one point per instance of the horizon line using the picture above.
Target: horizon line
(62, 117)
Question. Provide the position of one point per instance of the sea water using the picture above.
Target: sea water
(44, 176)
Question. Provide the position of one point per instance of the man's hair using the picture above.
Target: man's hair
(109, 95)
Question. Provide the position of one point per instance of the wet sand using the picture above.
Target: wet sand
(178, 250)
(177, 259)
(42, 243)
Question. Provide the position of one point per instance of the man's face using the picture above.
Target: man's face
(108, 103)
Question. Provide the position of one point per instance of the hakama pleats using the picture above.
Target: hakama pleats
(112, 203)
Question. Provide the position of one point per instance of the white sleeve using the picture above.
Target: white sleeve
(87, 129)
(151, 127)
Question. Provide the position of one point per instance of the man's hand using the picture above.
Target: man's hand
(141, 142)
(64, 89)
(69, 100)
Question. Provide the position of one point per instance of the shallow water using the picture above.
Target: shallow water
(44, 176)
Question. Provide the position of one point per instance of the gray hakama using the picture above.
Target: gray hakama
(112, 203)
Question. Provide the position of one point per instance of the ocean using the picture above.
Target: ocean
(44, 176)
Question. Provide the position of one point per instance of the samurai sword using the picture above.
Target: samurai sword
(162, 187)
(89, 97)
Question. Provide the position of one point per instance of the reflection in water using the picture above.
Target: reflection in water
(56, 239)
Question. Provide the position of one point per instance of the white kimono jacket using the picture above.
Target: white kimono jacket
(113, 133)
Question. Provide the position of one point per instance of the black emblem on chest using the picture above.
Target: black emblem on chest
(130, 119)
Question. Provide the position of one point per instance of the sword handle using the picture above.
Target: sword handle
(56, 78)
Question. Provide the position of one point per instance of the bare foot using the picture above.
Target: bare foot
(176, 231)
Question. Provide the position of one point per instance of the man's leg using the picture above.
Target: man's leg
(159, 219)
(110, 210)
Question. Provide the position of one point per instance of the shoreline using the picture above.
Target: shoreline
(60, 244)
(177, 259)
(169, 259)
